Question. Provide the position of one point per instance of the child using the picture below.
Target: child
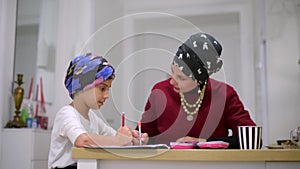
(88, 80)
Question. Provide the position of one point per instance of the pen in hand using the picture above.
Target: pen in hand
(140, 132)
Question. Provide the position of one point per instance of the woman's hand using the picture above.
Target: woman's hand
(136, 138)
(190, 139)
(124, 135)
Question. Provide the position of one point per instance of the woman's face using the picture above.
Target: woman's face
(180, 81)
(97, 95)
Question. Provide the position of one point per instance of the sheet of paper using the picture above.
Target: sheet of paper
(152, 146)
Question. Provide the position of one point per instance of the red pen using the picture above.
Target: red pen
(123, 119)
(140, 131)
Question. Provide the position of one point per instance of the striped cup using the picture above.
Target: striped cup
(250, 137)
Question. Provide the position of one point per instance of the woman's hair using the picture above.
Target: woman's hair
(87, 71)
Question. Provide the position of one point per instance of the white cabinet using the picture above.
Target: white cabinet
(283, 165)
(25, 148)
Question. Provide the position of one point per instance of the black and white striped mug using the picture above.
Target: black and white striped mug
(250, 137)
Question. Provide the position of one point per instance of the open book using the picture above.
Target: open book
(152, 146)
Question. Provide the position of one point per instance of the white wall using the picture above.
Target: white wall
(283, 55)
(7, 34)
(74, 28)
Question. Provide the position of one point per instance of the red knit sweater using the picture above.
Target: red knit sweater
(165, 121)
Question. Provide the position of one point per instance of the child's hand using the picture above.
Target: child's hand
(125, 135)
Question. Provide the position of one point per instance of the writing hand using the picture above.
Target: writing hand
(136, 138)
(125, 135)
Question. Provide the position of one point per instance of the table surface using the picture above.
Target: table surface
(221, 155)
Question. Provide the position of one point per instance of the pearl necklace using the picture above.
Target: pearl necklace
(196, 105)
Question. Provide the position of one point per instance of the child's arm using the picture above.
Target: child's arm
(123, 137)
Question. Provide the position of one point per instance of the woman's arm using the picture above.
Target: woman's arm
(236, 114)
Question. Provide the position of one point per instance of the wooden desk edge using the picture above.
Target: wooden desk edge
(218, 155)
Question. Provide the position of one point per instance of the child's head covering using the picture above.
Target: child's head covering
(199, 57)
(87, 71)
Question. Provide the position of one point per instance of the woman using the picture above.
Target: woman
(190, 106)
(88, 80)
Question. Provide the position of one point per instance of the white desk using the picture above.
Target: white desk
(195, 158)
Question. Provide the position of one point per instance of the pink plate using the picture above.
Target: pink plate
(213, 144)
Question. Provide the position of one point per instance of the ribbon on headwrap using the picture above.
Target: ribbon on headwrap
(199, 57)
(87, 71)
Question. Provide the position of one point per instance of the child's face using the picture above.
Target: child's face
(96, 96)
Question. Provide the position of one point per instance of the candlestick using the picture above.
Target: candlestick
(18, 99)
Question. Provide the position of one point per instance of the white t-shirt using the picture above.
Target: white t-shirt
(68, 125)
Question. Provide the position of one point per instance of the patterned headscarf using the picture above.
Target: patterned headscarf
(87, 71)
(199, 57)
